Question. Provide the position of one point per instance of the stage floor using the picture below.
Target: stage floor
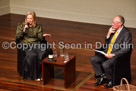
(9, 73)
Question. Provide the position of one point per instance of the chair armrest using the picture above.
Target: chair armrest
(121, 68)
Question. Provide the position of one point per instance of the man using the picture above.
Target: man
(117, 35)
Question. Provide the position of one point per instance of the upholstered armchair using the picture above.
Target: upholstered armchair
(21, 56)
(121, 68)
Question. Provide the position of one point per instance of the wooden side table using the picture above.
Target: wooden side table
(69, 69)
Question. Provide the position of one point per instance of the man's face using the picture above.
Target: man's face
(116, 24)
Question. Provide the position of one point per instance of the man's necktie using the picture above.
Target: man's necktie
(111, 43)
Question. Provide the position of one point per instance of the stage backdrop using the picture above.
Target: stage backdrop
(90, 11)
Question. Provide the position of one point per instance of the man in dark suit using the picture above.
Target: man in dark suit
(118, 37)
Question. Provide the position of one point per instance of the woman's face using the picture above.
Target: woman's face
(30, 19)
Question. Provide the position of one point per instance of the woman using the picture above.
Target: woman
(29, 34)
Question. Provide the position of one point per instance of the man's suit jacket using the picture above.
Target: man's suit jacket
(122, 43)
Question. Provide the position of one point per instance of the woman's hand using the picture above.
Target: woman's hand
(47, 35)
(26, 26)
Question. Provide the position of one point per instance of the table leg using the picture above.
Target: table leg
(47, 72)
(70, 73)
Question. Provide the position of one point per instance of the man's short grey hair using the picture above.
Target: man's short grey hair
(121, 19)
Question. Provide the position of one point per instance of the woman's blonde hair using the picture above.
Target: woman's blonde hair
(34, 16)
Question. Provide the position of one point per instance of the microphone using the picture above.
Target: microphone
(28, 24)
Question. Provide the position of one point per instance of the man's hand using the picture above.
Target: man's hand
(111, 30)
(110, 55)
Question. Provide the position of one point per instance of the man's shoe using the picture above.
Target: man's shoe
(109, 85)
(101, 81)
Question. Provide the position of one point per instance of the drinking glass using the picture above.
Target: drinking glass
(61, 52)
(55, 54)
(66, 56)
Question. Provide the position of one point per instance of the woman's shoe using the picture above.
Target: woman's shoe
(38, 79)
